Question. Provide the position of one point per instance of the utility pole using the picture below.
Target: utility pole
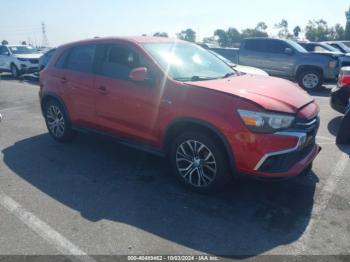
(45, 40)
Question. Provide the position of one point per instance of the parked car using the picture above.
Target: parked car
(288, 59)
(343, 46)
(239, 68)
(178, 100)
(231, 54)
(317, 47)
(18, 59)
(327, 50)
(340, 95)
(45, 58)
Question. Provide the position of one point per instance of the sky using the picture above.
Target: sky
(71, 20)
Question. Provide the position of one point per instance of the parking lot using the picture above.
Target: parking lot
(97, 197)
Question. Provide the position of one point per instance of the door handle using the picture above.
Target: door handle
(64, 80)
(103, 90)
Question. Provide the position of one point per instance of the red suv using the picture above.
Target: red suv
(177, 99)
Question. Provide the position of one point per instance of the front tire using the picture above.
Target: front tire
(14, 71)
(310, 79)
(199, 162)
(57, 122)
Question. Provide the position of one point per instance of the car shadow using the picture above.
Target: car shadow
(105, 180)
(333, 128)
(29, 78)
(334, 124)
(322, 92)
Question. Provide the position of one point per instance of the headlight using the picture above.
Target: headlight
(333, 64)
(265, 122)
(22, 59)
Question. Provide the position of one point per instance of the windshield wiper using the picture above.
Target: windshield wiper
(194, 78)
(228, 75)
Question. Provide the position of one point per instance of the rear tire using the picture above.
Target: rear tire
(199, 162)
(57, 122)
(310, 79)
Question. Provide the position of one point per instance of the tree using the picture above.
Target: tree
(318, 31)
(23, 43)
(222, 37)
(347, 31)
(338, 32)
(261, 27)
(296, 31)
(187, 35)
(283, 29)
(4, 42)
(161, 34)
(233, 36)
(258, 31)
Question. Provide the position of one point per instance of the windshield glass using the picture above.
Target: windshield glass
(21, 50)
(329, 47)
(345, 46)
(188, 62)
(296, 46)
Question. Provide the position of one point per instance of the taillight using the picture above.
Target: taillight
(344, 77)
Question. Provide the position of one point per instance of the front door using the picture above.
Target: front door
(123, 106)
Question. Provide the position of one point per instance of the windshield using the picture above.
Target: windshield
(345, 46)
(21, 50)
(328, 47)
(188, 62)
(296, 46)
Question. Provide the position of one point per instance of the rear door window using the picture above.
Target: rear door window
(276, 47)
(256, 45)
(81, 59)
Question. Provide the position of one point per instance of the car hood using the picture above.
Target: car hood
(29, 56)
(271, 93)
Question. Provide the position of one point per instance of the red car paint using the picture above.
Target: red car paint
(130, 110)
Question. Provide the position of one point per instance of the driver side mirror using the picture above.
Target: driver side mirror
(289, 51)
(139, 74)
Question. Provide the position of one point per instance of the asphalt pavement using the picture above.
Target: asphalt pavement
(97, 197)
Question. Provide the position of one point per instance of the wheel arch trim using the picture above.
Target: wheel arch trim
(204, 124)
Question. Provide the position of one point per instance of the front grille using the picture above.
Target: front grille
(309, 126)
(34, 61)
(284, 162)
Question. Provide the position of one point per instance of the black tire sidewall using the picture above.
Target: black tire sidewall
(67, 134)
(310, 71)
(16, 70)
(223, 175)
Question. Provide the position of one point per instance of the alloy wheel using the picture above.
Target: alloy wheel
(196, 163)
(310, 81)
(55, 121)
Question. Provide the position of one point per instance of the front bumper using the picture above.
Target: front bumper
(27, 67)
(280, 155)
(340, 99)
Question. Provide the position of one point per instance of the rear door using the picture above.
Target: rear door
(253, 53)
(123, 106)
(77, 82)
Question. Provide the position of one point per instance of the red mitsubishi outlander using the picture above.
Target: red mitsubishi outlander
(177, 99)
